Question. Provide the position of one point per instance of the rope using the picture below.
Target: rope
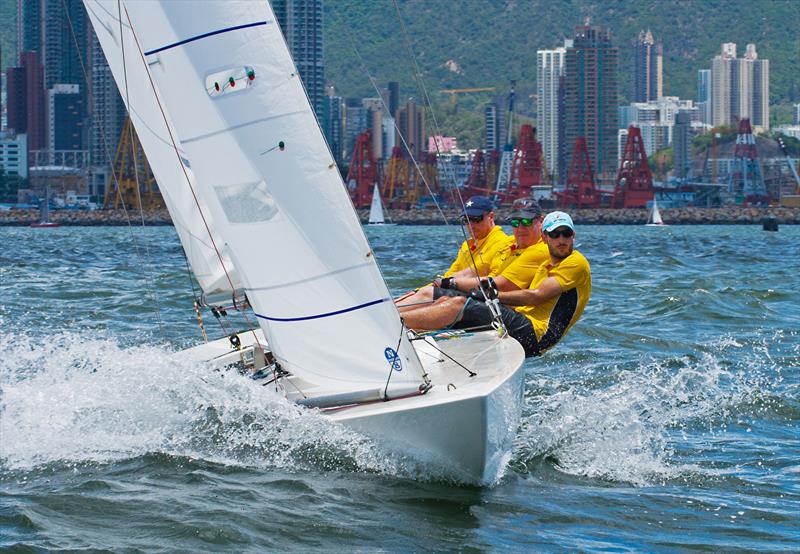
(106, 149)
(183, 169)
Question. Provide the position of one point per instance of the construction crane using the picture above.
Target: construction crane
(454, 91)
(131, 185)
(789, 162)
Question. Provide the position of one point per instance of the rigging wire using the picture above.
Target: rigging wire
(107, 150)
(186, 175)
(426, 99)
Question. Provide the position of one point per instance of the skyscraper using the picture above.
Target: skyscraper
(739, 87)
(681, 144)
(66, 114)
(26, 105)
(590, 95)
(646, 81)
(549, 70)
(704, 95)
(301, 23)
(411, 125)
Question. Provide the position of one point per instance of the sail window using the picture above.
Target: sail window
(230, 80)
(247, 202)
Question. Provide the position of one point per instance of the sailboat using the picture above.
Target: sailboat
(655, 216)
(268, 229)
(376, 208)
(44, 212)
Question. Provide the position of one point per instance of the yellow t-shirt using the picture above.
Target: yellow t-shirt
(552, 319)
(483, 252)
(521, 269)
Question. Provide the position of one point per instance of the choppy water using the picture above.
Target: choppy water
(669, 419)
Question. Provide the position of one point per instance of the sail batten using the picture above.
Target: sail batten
(268, 186)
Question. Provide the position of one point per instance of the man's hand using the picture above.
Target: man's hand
(447, 283)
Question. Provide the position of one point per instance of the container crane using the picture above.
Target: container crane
(507, 157)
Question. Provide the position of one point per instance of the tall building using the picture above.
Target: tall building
(411, 126)
(549, 70)
(646, 81)
(590, 95)
(704, 95)
(333, 126)
(108, 117)
(66, 117)
(491, 118)
(681, 144)
(355, 123)
(796, 115)
(26, 104)
(394, 98)
(301, 23)
(739, 87)
(14, 154)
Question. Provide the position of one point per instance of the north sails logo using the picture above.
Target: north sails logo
(393, 359)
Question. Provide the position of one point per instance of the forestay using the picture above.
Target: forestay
(266, 181)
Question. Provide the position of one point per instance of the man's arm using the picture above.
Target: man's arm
(547, 289)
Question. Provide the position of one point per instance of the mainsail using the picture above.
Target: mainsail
(214, 82)
(376, 208)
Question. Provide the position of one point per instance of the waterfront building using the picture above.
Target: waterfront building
(549, 71)
(108, 118)
(411, 126)
(65, 117)
(681, 144)
(739, 87)
(14, 154)
(647, 60)
(590, 96)
(26, 104)
(333, 126)
(302, 24)
(704, 95)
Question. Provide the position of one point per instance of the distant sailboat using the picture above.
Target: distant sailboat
(44, 212)
(376, 208)
(655, 217)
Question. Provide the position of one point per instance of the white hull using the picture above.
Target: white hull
(463, 425)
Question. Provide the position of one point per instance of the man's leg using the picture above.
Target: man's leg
(422, 297)
(439, 315)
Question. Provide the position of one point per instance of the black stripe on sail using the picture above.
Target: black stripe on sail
(560, 317)
(205, 35)
(328, 314)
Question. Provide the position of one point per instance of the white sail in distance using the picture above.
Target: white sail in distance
(266, 181)
(376, 208)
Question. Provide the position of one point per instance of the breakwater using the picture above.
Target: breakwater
(601, 216)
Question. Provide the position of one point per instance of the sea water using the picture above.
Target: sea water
(668, 419)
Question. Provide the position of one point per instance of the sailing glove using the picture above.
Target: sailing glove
(447, 283)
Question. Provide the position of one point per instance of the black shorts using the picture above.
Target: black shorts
(477, 314)
(439, 292)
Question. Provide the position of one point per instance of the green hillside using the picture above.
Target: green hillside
(487, 43)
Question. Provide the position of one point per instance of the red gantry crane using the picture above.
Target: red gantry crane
(363, 173)
(747, 178)
(581, 191)
(526, 169)
(634, 186)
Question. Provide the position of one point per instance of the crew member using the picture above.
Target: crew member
(541, 314)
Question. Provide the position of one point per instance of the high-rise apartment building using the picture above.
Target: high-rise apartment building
(647, 60)
(65, 117)
(108, 117)
(301, 23)
(681, 144)
(739, 87)
(796, 115)
(590, 96)
(411, 125)
(333, 126)
(26, 104)
(549, 70)
(704, 95)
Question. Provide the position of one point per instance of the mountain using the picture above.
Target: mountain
(481, 43)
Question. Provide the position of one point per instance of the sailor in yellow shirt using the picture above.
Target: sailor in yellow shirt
(545, 311)
(475, 255)
(487, 239)
(520, 259)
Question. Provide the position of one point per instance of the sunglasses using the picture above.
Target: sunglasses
(525, 222)
(471, 218)
(566, 233)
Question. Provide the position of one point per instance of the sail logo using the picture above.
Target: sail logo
(393, 358)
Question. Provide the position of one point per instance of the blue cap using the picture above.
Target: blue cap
(554, 220)
(477, 205)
